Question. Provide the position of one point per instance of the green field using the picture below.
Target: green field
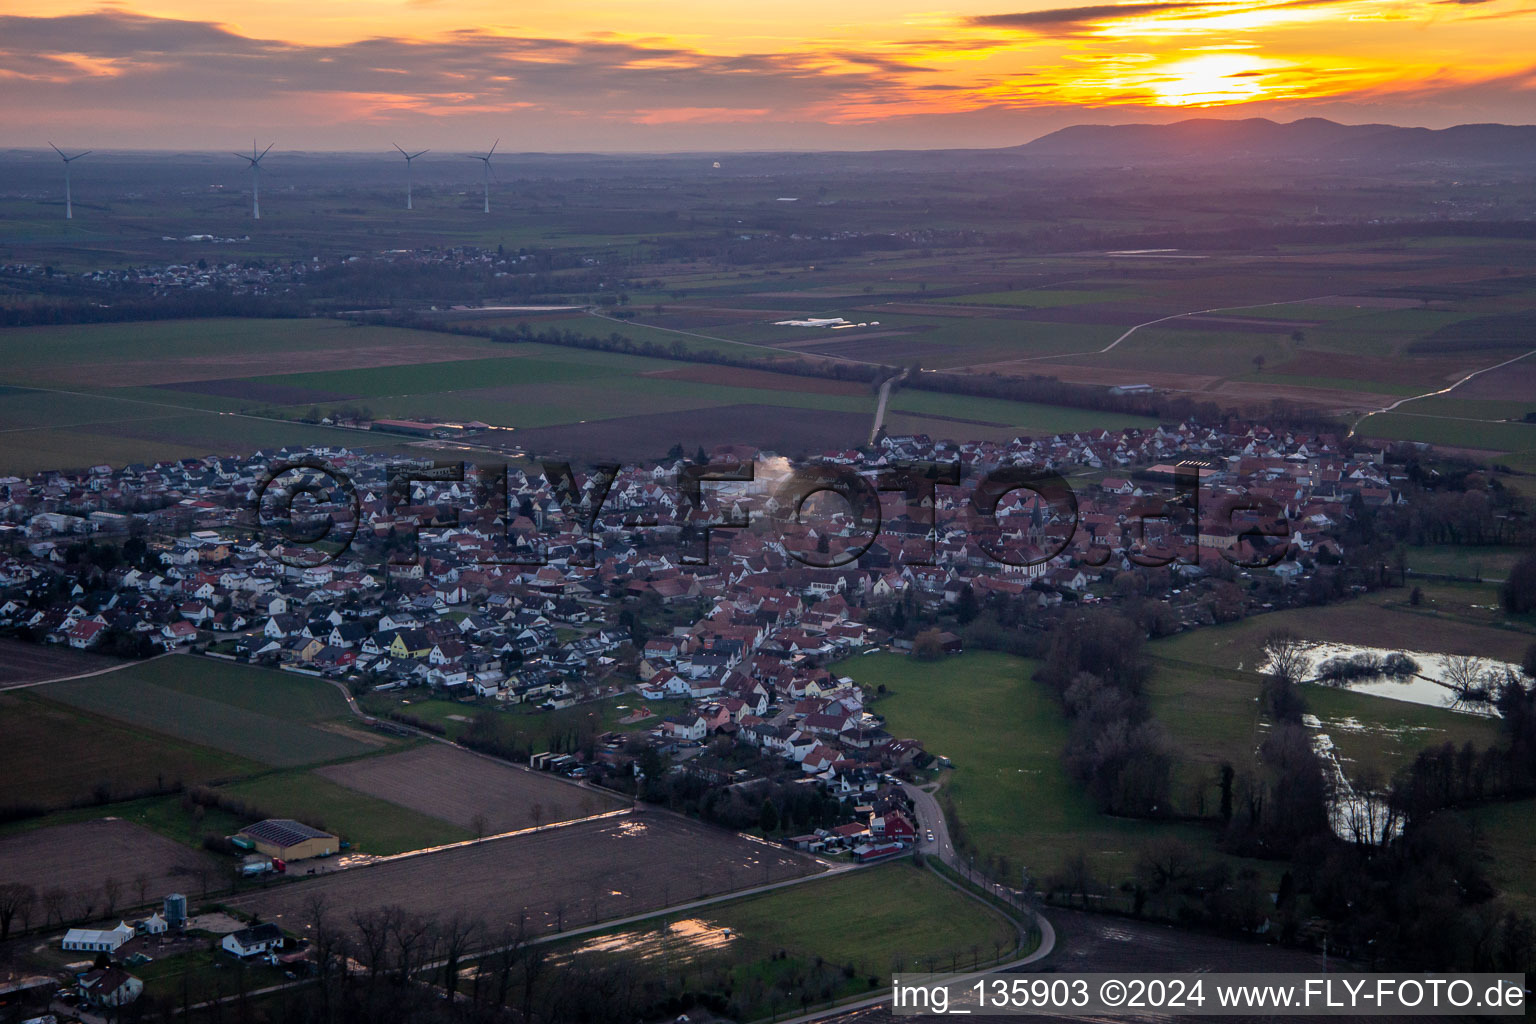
(1044, 297)
(253, 713)
(1505, 829)
(824, 938)
(1004, 735)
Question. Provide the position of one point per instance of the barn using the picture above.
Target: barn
(286, 839)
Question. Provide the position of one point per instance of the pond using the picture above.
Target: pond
(1427, 682)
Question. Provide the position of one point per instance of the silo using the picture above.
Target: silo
(176, 911)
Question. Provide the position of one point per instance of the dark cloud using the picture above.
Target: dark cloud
(1068, 17)
(139, 59)
(1068, 20)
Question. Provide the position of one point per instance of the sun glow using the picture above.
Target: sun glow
(1211, 78)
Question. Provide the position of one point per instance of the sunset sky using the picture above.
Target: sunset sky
(855, 74)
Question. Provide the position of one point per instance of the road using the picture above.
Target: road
(885, 394)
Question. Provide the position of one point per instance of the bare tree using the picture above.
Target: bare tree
(1466, 678)
(509, 950)
(15, 898)
(479, 826)
(458, 936)
(1286, 659)
(536, 814)
(373, 940)
(141, 886)
(412, 935)
(54, 900)
(111, 891)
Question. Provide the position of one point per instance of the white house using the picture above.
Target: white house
(262, 938)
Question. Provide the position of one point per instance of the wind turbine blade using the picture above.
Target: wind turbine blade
(267, 150)
(402, 152)
(413, 156)
(59, 151)
(493, 149)
(242, 156)
(77, 156)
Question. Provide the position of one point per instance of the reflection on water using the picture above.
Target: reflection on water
(1429, 686)
(681, 938)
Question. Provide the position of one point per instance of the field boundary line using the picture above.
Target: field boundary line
(1442, 391)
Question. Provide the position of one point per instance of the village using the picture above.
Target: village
(462, 608)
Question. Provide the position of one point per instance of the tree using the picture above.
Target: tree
(15, 898)
(1528, 663)
(966, 606)
(54, 900)
(1518, 594)
(1227, 775)
(769, 818)
(1258, 364)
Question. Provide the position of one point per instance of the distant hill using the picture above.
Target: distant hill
(1257, 138)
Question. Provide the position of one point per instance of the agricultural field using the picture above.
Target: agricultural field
(22, 662)
(565, 877)
(84, 858)
(185, 388)
(263, 716)
(58, 755)
(473, 793)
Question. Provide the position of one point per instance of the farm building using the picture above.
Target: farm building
(89, 940)
(287, 839)
(261, 938)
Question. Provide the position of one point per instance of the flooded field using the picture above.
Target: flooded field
(1434, 680)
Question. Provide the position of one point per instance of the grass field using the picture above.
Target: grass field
(1377, 736)
(1005, 736)
(860, 924)
(1505, 829)
(253, 713)
(524, 725)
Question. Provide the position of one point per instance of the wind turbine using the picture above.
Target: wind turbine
(487, 161)
(69, 209)
(408, 158)
(255, 162)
